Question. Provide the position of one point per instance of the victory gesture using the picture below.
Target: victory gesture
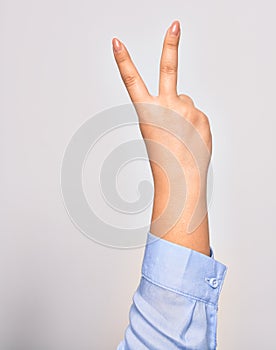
(179, 145)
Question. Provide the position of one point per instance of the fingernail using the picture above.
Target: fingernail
(117, 45)
(175, 28)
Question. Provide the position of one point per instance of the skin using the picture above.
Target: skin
(194, 126)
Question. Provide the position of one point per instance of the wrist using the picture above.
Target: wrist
(189, 199)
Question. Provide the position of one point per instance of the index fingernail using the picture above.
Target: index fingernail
(175, 28)
(117, 45)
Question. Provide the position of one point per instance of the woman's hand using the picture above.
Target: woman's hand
(179, 145)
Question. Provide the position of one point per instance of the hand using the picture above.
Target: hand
(179, 145)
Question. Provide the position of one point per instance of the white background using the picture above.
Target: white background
(60, 290)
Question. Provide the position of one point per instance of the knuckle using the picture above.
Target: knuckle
(122, 57)
(168, 68)
(202, 119)
(171, 44)
(129, 80)
(187, 99)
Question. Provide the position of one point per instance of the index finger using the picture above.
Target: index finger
(169, 61)
(135, 85)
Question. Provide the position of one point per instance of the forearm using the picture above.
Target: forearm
(194, 210)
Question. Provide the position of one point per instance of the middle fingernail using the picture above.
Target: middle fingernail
(175, 28)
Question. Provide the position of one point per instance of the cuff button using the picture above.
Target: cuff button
(213, 282)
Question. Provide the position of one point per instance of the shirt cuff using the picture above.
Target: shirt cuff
(183, 270)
